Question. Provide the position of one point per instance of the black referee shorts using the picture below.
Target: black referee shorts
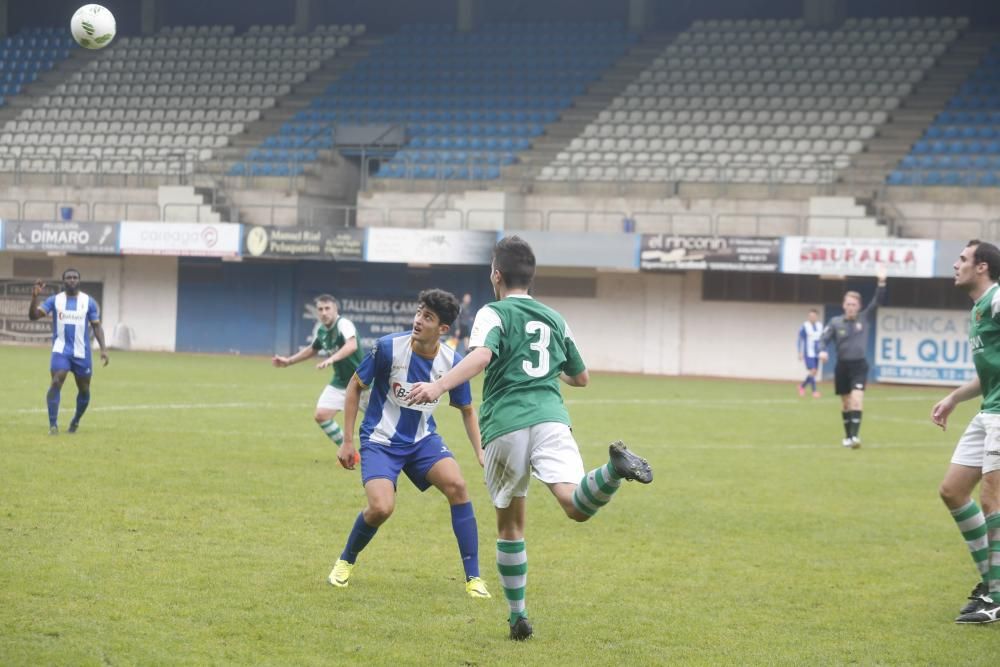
(850, 375)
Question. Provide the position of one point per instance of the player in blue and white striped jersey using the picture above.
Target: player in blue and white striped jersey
(74, 315)
(397, 437)
(808, 344)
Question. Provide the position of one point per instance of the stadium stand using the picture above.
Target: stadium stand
(467, 104)
(159, 105)
(25, 55)
(961, 147)
(757, 101)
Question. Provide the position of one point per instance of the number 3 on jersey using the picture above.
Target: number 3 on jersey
(541, 346)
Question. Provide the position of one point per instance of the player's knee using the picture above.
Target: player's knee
(455, 491)
(951, 496)
(321, 416)
(576, 515)
(378, 513)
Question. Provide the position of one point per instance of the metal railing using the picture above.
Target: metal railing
(99, 170)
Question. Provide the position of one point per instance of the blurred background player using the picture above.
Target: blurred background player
(526, 348)
(75, 314)
(977, 455)
(338, 337)
(850, 333)
(466, 316)
(397, 437)
(809, 334)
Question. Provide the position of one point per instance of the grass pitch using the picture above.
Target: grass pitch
(195, 516)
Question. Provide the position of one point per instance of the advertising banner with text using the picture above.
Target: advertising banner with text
(304, 243)
(905, 258)
(97, 238)
(922, 346)
(220, 239)
(669, 252)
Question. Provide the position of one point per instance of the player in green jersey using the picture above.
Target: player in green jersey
(977, 456)
(337, 337)
(526, 348)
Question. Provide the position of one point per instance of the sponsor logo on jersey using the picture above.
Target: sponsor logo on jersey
(401, 394)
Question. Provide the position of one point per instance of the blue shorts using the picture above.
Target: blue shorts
(64, 362)
(384, 462)
(812, 363)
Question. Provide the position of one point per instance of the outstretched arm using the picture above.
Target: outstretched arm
(944, 407)
(282, 362)
(879, 297)
(468, 368)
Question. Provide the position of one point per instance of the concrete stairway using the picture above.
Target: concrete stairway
(272, 119)
(868, 170)
(586, 108)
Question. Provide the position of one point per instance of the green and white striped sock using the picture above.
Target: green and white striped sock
(512, 563)
(332, 430)
(595, 489)
(972, 523)
(993, 526)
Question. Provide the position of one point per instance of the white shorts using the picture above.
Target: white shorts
(332, 398)
(979, 446)
(547, 451)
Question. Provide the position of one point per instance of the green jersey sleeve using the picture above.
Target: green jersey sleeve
(574, 360)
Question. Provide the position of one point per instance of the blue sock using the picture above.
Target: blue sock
(361, 535)
(82, 401)
(463, 522)
(811, 381)
(53, 400)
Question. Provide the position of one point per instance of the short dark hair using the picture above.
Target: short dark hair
(515, 260)
(70, 270)
(441, 303)
(328, 298)
(988, 253)
(814, 310)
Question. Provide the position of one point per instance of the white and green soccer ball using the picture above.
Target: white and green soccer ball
(93, 27)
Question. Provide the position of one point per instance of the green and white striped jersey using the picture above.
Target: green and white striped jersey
(531, 345)
(332, 339)
(984, 339)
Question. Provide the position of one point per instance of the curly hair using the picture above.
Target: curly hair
(441, 303)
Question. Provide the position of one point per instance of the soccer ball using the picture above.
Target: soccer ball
(93, 27)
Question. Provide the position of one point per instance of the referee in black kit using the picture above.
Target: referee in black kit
(850, 332)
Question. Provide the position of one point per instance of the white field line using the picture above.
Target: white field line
(710, 403)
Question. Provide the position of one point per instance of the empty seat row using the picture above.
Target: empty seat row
(160, 114)
(428, 116)
(801, 103)
(231, 59)
(154, 102)
(746, 116)
(272, 77)
(706, 145)
(126, 127)
(949, 178)
(96, 90)
(190, 140)
(779, 131)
